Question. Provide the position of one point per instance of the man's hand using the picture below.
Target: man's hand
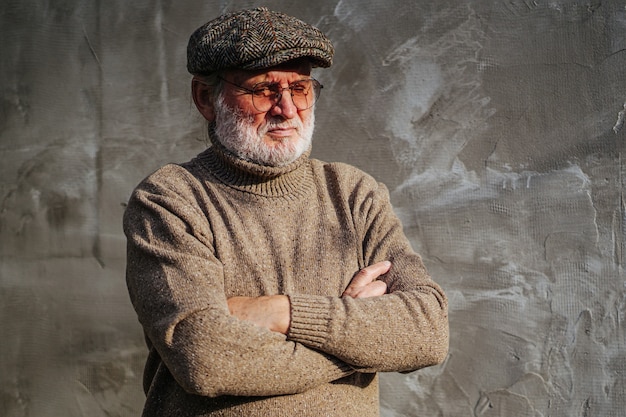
(270, 311)
(366, 283)
(273, 311)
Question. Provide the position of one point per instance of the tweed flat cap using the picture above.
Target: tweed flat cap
(255, 39)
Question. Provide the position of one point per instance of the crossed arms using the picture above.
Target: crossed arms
(273, 311)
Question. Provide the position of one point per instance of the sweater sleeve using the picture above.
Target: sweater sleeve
(176, 286)
(403, 330)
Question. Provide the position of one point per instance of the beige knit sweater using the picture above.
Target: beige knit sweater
(218, 227)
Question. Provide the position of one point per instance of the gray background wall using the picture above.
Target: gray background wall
(496, 126)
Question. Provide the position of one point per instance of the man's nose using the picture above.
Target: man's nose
(285, 106)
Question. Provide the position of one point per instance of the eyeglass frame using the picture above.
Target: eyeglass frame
(279, 96)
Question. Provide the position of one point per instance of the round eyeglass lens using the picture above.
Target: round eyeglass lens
(303, 94)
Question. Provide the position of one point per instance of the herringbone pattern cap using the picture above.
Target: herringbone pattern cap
(255, 39)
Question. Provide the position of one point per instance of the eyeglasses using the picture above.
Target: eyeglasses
(267, 95)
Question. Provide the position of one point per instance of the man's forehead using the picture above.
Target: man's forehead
(300, 66)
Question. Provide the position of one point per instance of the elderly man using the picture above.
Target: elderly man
(269, 283)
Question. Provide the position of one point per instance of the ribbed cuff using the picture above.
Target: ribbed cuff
(310, 320)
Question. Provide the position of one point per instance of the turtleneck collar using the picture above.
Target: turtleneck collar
(292, 180)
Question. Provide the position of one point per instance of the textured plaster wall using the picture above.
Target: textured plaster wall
(497, 125)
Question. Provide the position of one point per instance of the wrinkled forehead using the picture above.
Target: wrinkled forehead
(300, 67)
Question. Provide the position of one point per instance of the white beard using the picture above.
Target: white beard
(235, 132)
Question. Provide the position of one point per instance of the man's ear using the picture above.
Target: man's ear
(203, 97)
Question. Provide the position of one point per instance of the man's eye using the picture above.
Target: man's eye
(263, 91)
(299, 89)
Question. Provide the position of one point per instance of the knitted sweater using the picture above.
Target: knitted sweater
(217, 227)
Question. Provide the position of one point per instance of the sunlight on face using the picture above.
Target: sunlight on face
(238, 133)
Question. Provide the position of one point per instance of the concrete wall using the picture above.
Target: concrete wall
(498, 127)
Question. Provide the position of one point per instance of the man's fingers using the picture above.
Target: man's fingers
(370, 273)
(365, 277)
(373, 289)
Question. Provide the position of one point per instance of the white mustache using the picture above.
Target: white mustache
(283, 124)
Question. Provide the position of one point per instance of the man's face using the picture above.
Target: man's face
(275, 137)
